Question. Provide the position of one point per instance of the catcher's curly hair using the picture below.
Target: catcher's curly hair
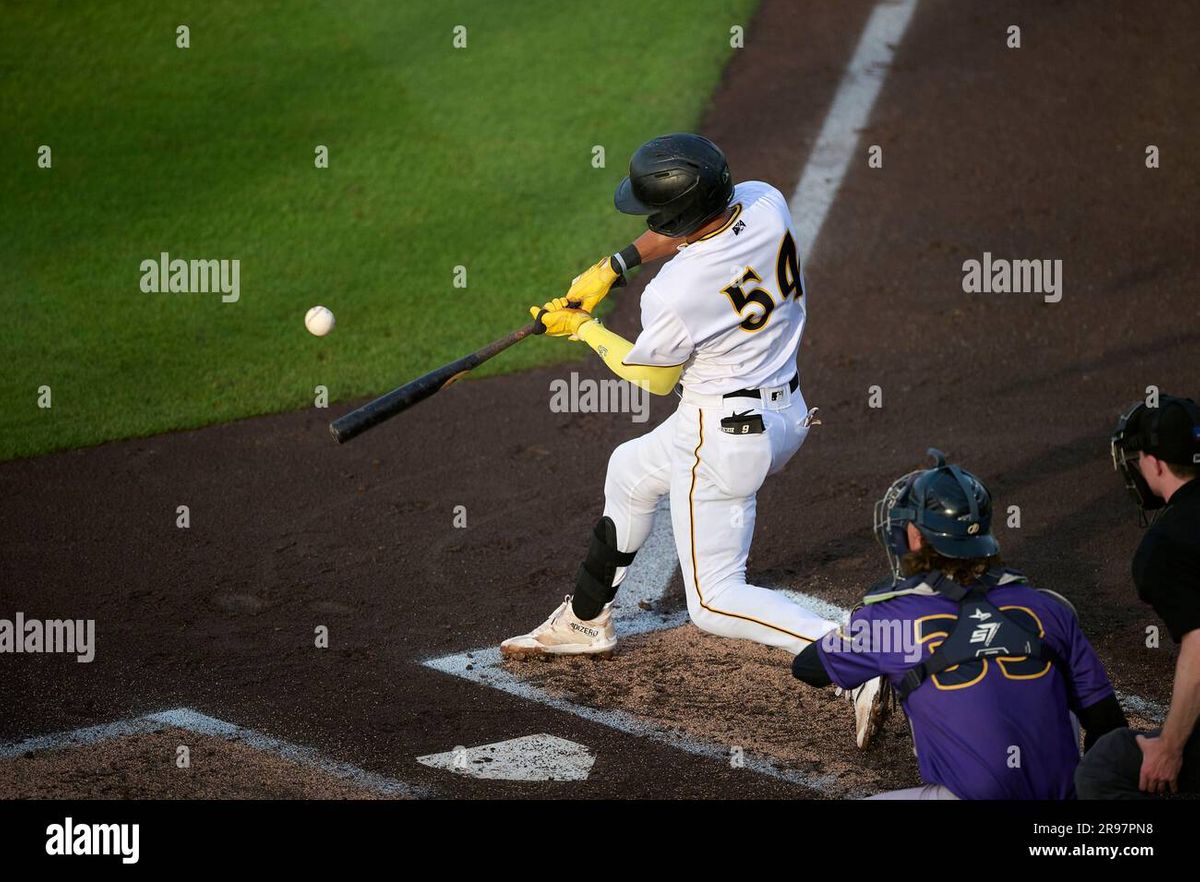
(964, 570)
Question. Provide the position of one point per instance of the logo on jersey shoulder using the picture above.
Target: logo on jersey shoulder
(980, 615)
(738, 227)
(985, 633)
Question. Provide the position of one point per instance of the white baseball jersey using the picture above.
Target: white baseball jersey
(729, 307)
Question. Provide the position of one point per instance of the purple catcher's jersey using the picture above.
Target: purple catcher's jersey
(996, 728)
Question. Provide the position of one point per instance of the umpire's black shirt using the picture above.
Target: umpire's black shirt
(1166, 568)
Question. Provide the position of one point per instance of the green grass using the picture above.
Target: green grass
(438, 157)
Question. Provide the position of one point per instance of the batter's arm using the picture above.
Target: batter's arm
(1185, 697)
(612, 349)
(653, 246)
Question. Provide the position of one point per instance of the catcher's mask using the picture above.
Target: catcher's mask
(948, 505)
(1170, 432)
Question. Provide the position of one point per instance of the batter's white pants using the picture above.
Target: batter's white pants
(712, 478)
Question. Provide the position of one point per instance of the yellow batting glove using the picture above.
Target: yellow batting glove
(561, 321)
(591, 286)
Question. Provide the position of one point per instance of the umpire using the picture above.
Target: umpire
(1157, 451)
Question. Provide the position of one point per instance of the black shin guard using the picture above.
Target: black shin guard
(594, 584)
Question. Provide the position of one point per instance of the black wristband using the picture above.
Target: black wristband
(625, 259)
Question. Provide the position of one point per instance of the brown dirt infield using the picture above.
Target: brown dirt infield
(143, 766)
(1034, 153)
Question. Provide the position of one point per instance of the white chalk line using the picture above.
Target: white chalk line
(1147, 708)
(483, 666)
(837, 142)
(201, 724)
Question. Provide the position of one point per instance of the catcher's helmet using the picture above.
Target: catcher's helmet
(948, 505)
(681, 181)
(1170, 432)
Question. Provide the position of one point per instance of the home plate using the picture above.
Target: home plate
(531, 758)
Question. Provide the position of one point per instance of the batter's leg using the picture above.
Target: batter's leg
(713, 485)
(638, 477)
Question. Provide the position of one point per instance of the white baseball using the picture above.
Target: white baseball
(319, 321)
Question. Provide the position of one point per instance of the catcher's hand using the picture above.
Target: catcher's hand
(559, 318)
(592, 285)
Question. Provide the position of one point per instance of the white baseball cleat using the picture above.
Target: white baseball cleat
(872, 703)
(564, 633)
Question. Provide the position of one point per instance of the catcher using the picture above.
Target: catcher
(988, 668)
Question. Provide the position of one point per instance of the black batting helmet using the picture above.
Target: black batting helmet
(948, 505)
(681, 181)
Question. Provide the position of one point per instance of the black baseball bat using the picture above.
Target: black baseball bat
(398, 400)
(387, 406)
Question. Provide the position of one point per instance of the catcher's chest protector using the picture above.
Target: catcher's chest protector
(981, 630)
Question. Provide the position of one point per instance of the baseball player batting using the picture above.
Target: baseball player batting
(723, 321)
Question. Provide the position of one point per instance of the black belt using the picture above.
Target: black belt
(757, 393)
